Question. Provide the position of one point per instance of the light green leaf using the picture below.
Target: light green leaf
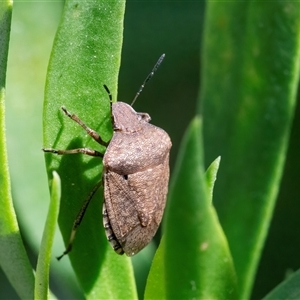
(211, 176)
(43, 264)
(13, 257)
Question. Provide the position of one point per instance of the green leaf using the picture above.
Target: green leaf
(287, 290)
(248, 99)
(155, 287)
(86, 54)
(196, 251)
(43, 264)
(23, 104)
(13, 257)
(211, 176)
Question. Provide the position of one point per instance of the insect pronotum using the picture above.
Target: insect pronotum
(135, 176)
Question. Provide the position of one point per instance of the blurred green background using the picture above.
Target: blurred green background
(150, 29)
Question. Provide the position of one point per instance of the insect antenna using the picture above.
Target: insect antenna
(109, 95)
(149, 77)
(110, 101)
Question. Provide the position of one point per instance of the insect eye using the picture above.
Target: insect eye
(144, 117)
(125, 177)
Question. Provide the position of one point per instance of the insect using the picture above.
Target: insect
(135, 176)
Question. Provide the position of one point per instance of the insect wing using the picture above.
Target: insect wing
(135, 204)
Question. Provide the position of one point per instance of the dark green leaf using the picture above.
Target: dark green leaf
(250, 75)
(198, 264)
(287, 290)
(155, 288)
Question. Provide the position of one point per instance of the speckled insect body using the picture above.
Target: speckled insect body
(135, 176)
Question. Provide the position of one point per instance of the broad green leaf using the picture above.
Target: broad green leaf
(43, 264)
(198, 264)
(287, 290)
(86, 55)
(248, 94)
(13, 257)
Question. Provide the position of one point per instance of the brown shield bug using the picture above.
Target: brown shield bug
(135, 176)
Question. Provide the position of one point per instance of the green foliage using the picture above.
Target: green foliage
(41, 288)
(204, 249)
(216, 221)
(248, 117)
(86, 53)
(13, 258)
(288, 289)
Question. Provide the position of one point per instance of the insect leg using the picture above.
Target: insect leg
(86, 151)
(79, 219)
(95, 135)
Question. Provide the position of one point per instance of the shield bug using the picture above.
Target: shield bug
(135, 176)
